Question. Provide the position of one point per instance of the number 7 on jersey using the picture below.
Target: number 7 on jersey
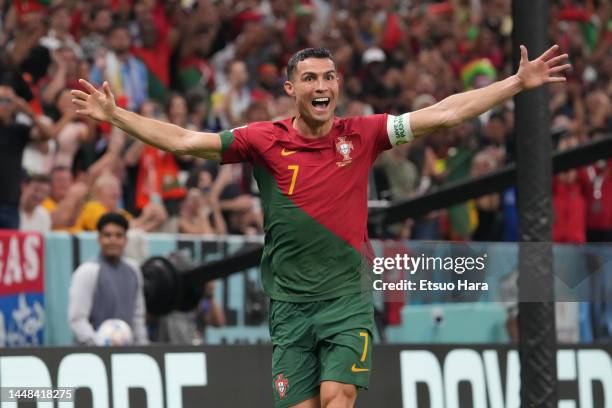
(295, 169)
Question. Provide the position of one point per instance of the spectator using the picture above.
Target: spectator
(18, 125)
(200, 213)
(39, 155)
(71, 131)
(58, 35)
(597, 184)
(108, 287)
(402, 176)
(158, 177)
(489, 228)
(100, 23)
(63, 75)
(194, 70)
(177, 111)
(197, 104)
(32, 215)
(154, 51)
(65, 200)
(269, 79)
(378, 88)
(131, 159)
(24, 34)
(106, 193)
(401, 172)
(231, 101)
(569, 202)
(240, 208)
(124, 72)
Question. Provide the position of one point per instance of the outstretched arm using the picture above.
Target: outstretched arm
(100, 105)
(460, 107)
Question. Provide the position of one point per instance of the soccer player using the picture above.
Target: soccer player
(312, 172)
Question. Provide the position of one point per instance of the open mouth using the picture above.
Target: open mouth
(321, 104)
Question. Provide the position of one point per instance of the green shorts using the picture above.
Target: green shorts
(328, 340)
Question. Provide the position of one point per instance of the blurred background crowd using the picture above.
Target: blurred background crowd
(213, 65)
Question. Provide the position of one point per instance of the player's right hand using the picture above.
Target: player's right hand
(94, 104)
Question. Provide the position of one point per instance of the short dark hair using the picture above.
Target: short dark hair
(112, 218)
(301, 55)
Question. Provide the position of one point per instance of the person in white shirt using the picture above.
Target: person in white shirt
(33, 216)
(109, 286)
(59, 31)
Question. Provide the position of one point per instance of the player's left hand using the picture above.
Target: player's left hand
(545, 69)
(94, 104)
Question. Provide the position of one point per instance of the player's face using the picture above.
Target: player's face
(315, 87)
(112, 239)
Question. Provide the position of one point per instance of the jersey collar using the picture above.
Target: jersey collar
(292, 135)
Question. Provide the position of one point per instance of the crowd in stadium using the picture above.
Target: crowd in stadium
(214, 65)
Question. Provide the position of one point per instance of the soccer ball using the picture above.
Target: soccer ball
(114, 332)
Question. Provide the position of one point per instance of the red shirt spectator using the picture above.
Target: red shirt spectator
(569, 206)
(597, 186)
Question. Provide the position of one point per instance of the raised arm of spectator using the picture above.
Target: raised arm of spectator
(460, 107)
(219, 225)
(41, 130)
(109, 159)
(65, 119)
(131, 157)
(100, 105)
(57, 82)
(67, 211)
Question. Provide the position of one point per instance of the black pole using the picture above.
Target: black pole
(536, 320)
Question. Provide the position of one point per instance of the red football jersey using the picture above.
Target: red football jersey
(314, 197)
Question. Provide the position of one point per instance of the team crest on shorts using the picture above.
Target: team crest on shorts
(344, 147)
(281, 384)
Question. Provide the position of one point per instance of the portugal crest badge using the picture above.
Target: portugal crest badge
(281, 384)
(344, 147)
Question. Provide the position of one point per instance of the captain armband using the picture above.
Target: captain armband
(398, 129)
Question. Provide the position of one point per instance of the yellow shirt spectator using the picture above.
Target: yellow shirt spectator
(91, 213)
(49, 204)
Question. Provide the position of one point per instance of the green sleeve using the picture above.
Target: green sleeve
(227, 138)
